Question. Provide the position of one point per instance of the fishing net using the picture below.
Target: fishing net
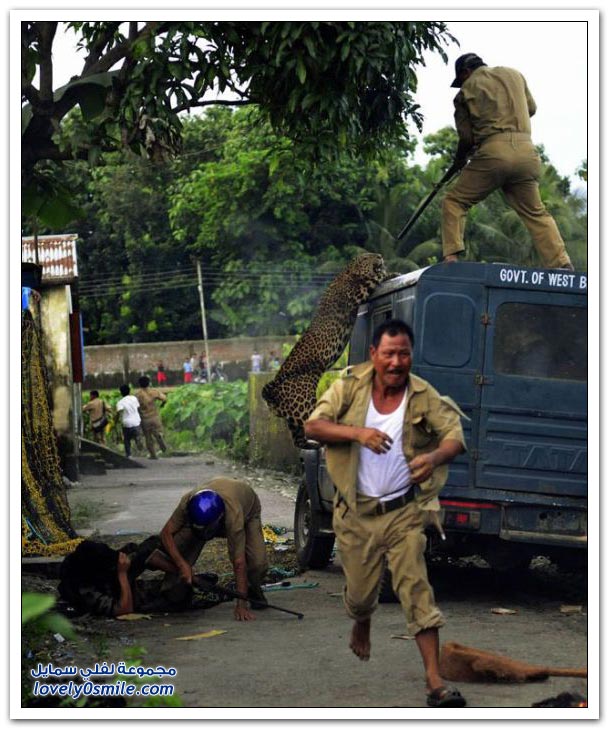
(45, 513)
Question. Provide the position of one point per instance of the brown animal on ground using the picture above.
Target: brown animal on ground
(462, 663)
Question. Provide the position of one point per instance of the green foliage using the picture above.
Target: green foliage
(330, 85)
(38, 618)
(208, 417)
(328, 377)
(269, 228)
(582, 171)
(38, 622)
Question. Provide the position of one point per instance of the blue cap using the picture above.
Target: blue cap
(205, 508)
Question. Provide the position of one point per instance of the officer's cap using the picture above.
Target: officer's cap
(467, 60)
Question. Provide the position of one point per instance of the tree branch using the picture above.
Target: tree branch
(50, 151)
(218, 102)
(46, 35)
(123, 50)
(96, 49)
(30, 92)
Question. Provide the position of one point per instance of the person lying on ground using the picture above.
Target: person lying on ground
(100, 580)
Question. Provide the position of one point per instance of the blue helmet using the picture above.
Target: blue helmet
(205, 508)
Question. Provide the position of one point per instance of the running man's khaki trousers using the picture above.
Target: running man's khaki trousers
(365, 541)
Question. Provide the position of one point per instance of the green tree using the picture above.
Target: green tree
(262, 210)
(330, 85)
(269, 229)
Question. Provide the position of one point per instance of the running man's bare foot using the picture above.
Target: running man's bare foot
(450, 259)
(360, 639)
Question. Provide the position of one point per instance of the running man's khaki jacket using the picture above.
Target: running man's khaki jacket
(429, 419)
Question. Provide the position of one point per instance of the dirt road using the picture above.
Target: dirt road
(279, 661)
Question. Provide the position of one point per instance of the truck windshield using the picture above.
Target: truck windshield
(533, 340)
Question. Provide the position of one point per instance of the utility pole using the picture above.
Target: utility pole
(204, 320)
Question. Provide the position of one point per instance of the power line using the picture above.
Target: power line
(210, 272)
(256, 280)
(105, 292)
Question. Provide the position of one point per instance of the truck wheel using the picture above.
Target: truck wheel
(313, 549)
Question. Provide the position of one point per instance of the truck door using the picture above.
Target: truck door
(533, 416)
(448, 351)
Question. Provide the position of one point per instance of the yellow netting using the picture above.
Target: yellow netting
(45, 514)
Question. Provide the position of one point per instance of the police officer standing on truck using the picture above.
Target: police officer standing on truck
(389, 438)
(492, 117)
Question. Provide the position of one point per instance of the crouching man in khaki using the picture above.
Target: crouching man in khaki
(389, 436)
(221, 508)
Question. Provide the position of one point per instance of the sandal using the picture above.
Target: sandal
(444, 697)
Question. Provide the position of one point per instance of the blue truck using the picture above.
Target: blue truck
(509, 345)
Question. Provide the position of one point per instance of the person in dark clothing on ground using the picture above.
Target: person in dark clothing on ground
(100, 580)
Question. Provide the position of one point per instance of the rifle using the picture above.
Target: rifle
(206, 586)
(448, 175)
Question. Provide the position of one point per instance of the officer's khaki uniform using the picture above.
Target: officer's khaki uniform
(364, 538)
(242, 530)
(97, 409)
(492, 111)
(151, 420)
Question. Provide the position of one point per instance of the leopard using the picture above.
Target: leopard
(292, 393)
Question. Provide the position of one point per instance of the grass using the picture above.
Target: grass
(84, 512)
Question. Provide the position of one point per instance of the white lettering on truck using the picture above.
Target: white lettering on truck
(511, 275)
(537, 277)
(541, 278)
(561, 279)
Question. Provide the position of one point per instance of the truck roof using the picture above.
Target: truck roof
(501, 275)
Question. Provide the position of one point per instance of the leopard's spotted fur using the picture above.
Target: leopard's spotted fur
(291, 394)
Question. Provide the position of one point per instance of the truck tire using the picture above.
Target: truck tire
(313, 548)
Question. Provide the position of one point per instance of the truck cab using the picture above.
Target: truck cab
(509, 345)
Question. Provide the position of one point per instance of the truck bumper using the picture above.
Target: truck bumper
(531, 524)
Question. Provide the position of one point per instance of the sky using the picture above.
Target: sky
(537, 49)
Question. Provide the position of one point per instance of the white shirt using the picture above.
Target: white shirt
(387, 475)
(129, 407)
(256, 362)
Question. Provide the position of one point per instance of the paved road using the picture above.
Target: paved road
(125, 501)
(281, 662)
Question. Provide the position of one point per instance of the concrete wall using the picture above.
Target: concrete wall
(270, 440)
(110, 365)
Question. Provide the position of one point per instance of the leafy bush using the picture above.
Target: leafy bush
(329, 376)
(208, 417)
(38, 624)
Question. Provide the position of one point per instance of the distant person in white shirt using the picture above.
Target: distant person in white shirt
(256, 362)
(128, 408)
